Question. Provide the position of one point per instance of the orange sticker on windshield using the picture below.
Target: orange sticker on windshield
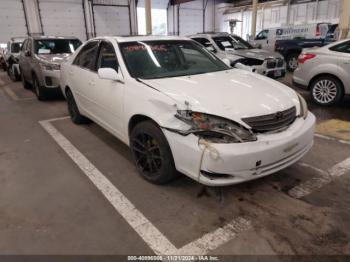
(135, 48)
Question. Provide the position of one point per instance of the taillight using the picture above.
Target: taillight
(318, 32)
(304, 57)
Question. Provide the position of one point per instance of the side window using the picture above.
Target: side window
(262, 35)
(342, 48)
(24, 46)
(87, 56)
(107, 57)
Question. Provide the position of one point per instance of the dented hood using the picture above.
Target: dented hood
(254, 53)
(232, 94)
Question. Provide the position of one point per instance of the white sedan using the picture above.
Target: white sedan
(181, 109)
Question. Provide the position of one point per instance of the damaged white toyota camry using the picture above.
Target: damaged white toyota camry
(181, 109)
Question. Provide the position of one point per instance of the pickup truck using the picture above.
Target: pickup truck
(291, 49)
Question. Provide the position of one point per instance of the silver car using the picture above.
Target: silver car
(239, 51)
(325, 71)
(40, 62)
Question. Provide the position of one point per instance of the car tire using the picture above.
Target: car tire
(73, 110)
(292, 62)
(326, 90)
(12, 73)
(25, 84)
(152, 153)
(39, 90)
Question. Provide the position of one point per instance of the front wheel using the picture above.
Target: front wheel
(326, 90)
(292, 62)
(12, 73)
(152, 153)
(38, 90)
(73, 110)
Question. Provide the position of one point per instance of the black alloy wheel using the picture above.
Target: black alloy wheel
(152, 153)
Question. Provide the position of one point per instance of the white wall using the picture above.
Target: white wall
(159, 17)
(189, 18)
(269, 17)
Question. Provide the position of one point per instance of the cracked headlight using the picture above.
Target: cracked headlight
(49, 66)
(213, 128)
(303, 107)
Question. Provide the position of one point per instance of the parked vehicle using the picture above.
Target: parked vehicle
(2, 59)
(11, 57)
(180, 108)
(291, 49)
(267, 38)
(325, 72)
(237, 50)
(40, 62)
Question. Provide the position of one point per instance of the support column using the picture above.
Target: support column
(254, 15)
(88, 19)
(31, 10)
(148, 15)
(133, 17)
(344, 21)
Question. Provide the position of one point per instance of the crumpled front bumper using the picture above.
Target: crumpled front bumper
(240, 162)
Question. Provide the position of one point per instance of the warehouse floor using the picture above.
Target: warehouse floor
(67, 189)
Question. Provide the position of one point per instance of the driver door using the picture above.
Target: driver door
(108, 94)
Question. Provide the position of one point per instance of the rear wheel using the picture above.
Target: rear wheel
(152, 153)
(25, 84)
(39, 90)
(12, 73)
(326, 90)
(73, 110)
(292, 62)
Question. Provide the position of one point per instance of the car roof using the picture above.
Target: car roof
(122, 39)
(40, 37)
(210, 34)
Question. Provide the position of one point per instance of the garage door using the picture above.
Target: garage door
(111, 20)
(191, 18)
(12, 20)
(63, 18)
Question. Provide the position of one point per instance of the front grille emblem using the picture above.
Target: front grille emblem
(279, 115)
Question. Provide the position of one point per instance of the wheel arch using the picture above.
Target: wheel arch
(325, 75)
(138, 118)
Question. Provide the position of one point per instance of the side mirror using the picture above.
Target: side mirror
(110, 74)
(227, 61)
(27, 53)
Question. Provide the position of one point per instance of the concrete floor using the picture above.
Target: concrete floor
(49, 206)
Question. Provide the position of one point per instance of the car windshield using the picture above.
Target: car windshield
(228, 42)
(16, 47)
(170, 58)
(56, 46)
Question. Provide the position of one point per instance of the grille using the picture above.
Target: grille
(279, 62)
(271, 63)
(272, 122)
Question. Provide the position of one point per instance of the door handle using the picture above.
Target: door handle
(347, 62)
